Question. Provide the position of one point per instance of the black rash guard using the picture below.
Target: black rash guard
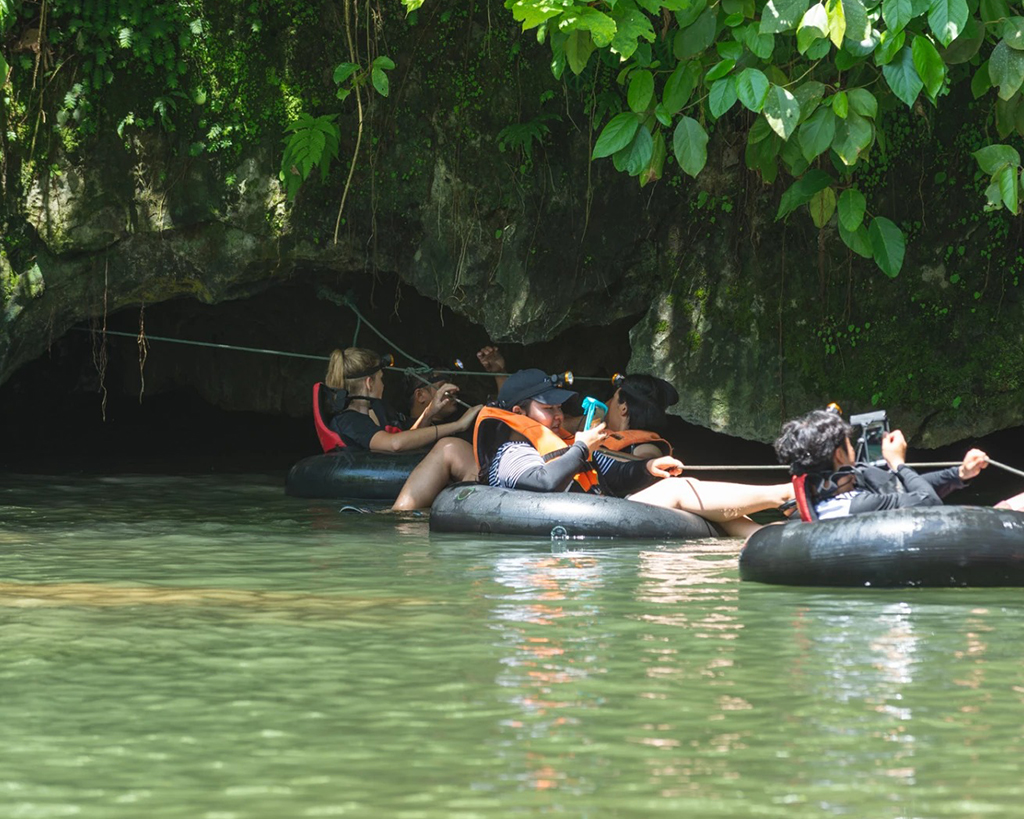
(878, 490)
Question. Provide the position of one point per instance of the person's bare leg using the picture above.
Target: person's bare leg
(1016, 503)
(740, 527)
(714, 500)
(450, 460)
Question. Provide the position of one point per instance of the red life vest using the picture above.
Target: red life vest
(804, 502)
(491, 430)
(329, 439)
(325, 407)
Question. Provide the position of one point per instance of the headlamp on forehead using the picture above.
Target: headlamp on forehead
(561, 379)
(386, 360)
(834, 408)
(458, 365)
(618, 380)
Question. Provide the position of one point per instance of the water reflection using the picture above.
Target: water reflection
(452, 676)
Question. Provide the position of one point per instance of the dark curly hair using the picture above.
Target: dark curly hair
(646, 399)
(808, 443)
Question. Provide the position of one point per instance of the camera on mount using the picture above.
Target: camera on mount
(873, 426)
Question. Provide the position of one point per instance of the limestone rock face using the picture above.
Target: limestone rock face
(754, 320)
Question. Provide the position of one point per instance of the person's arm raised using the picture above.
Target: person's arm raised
(420, 438)
(444, 397)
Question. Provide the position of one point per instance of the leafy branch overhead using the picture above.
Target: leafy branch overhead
(819, 76)
(314, 141)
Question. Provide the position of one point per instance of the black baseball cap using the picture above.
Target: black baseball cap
(534, 384)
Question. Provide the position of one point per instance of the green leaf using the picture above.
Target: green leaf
(851, 209)
(887, 245)
(993, 158)
(853, 136)
(1006, 68)
(964, 47)
(808, 94)
(929, 65)
(760, 45)
(694, 39)
(1013, 32)
(722, 97)
(857, 240)
(641, 90)
(384, 62)
(760, 154)
(578, 48)
(822, 206)
(782, 15)
(902, 77)
(380, 81)
(636, 156)
(889, 46)
(801, 191)
(680, 86)
(689, 144)
(654, 168)
(1007, 181)
(730, 50)
(752, 88)
(857, 27)
(947, 18)
(782, 111)
(993, 197)
(343, 72)
(817, 132)
(897, 13)
(981, 82)
(836, 22)
(994, 10)
(600, 25)
(719, 70)
(686, 17)
(791, 154)
(631, 26)
(4, 68)
(531, 14)
(616, 135)
(863, 102)
(841, 104)
(1006, 115)
(813, 26)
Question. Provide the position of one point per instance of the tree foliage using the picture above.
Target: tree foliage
(820, 76)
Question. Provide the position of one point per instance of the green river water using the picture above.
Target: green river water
(207, 647)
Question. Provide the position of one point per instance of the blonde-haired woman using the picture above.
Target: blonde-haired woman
(363, 420)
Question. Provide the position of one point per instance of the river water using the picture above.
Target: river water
(207, 647)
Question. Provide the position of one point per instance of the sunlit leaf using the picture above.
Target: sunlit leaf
(782, 111)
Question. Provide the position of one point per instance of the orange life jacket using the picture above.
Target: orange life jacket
(627, 439)
(491, 430)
